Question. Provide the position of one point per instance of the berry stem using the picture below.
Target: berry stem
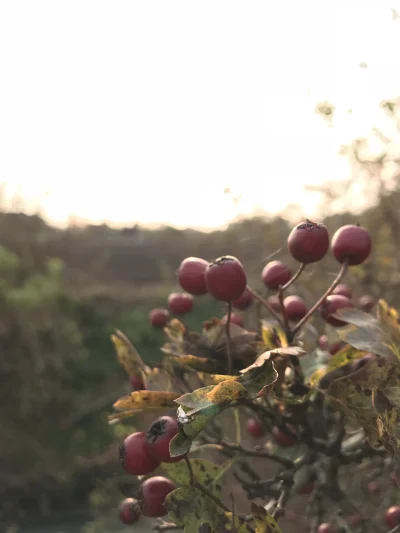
(297, 275)
(228, 337)
(335, 282)
(264, 303)
(286, 326)
(190, 469)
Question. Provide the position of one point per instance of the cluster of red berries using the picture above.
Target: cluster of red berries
(140, 454)
(392, 519)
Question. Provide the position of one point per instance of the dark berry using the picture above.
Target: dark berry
(326, 528)
(137, 383)
(129, 511)
(392, 516)
(244, 301)
(333, 303)
(159, 317)
(180, 303)
(336, 346)
(274, 274)
(135, 456)
(226, 278)
(275, 303)
(295, 308)
(366, 302)
(255, 428)
(373, 487)
(343, 290)
(323, 342)
(282, 438)
(191, 275)
(351, 243)
(153, 492)
(308, 242)
(159, 435)
(235, 319)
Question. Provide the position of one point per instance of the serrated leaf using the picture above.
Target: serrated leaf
(144, 399)
(189, 508)
(128, 356)
(258, 379)
(204, 472)
(265, 522)
(290, 350)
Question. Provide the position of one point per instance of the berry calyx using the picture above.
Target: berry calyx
(153, 492)
(295, 308)
(333, 303)
(159, 317)
(135, 456)
(226, 278)
(308, 242)
(159, 435)
(235, 319)
(180, 303)
(137, 383)
(392, 516)
(191, 275)
(255, 428)
(282, 438)
(366, 303)
(343, 289)
(274, 274)
(244, 301)
(129, 511)
(351, 243)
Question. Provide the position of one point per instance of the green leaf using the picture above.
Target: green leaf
(189, 508)
(265, 522)
(256, 379)
(204, 471)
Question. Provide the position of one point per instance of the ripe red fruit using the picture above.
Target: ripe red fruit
(326, 528)
(283, 439)
(159, 317)
(235, 319)
(323, 342)
(373, 487)
(254, 428)
(366, 303)
(308, 242)
(226, 278)
(191, 275)
(180, 303)
(137, 383)
(153, 492)
(333, 303)
(134, 455)
(352, 243)
(129, 511)
(343, 289)
(392, 516)
(159, 435)
(336, 346)
(295, 308)
(274, 274)
(275, 303)
(244, 301)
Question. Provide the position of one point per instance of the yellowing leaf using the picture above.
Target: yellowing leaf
(127, 355)
(175, 330)
(158, 379)
(290, 350)
(144, 399)
(265, 522)
(192, 361)
(214, 379)
(226, 392)
(204, 472)
(273, 336)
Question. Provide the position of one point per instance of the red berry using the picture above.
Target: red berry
(244, 301)
(275, 303)
(129, 511)
(159, 435)
(180, 303)
(137, 383)
(282, 438)
(159, 317)
(392, 516)
(336, 346)
(135, 456)
(226, 278)
(254, 428)
(307, 488)
(325, 528)
(373, 487)
(366, 303)
(323, 342)
(274, 274)
(235, 319)
(308, 242)
(352, 243)
(355, 519)
(153, 492)
(333, 303)
(343, 289)
(191, 275)
(295, 308)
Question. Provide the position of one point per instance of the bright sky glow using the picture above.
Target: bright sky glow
(144, 111)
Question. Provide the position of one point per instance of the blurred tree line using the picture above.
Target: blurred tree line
(62, 292)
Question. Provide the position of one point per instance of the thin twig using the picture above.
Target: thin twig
(212, 497)
(265, 304)
(257, 453)
(293, 279)
(284, 314)
(228, 337)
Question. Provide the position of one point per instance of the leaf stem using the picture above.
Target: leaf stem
(286, 326)
(228, 336)
(293, 279)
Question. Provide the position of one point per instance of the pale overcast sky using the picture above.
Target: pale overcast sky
(144, 111)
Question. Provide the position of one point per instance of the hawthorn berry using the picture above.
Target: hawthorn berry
(343, 289)
(226, 278)
(295, 308)
(336, 346)
(159, 435)
(326, 528)
(244, 301)
(373, 487)
(282, 438)
(159, 317)
(333, 303)
(129, 511)
(135, 456)
(351, 243)
(366, 302)
(235, 319)
(153, 492)
(323, 342)
(274, 274)
(308, 242)
(392, 516)
(254, 428)
(180, 303)
(137, 383)
(275, 303)
(191, 275)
